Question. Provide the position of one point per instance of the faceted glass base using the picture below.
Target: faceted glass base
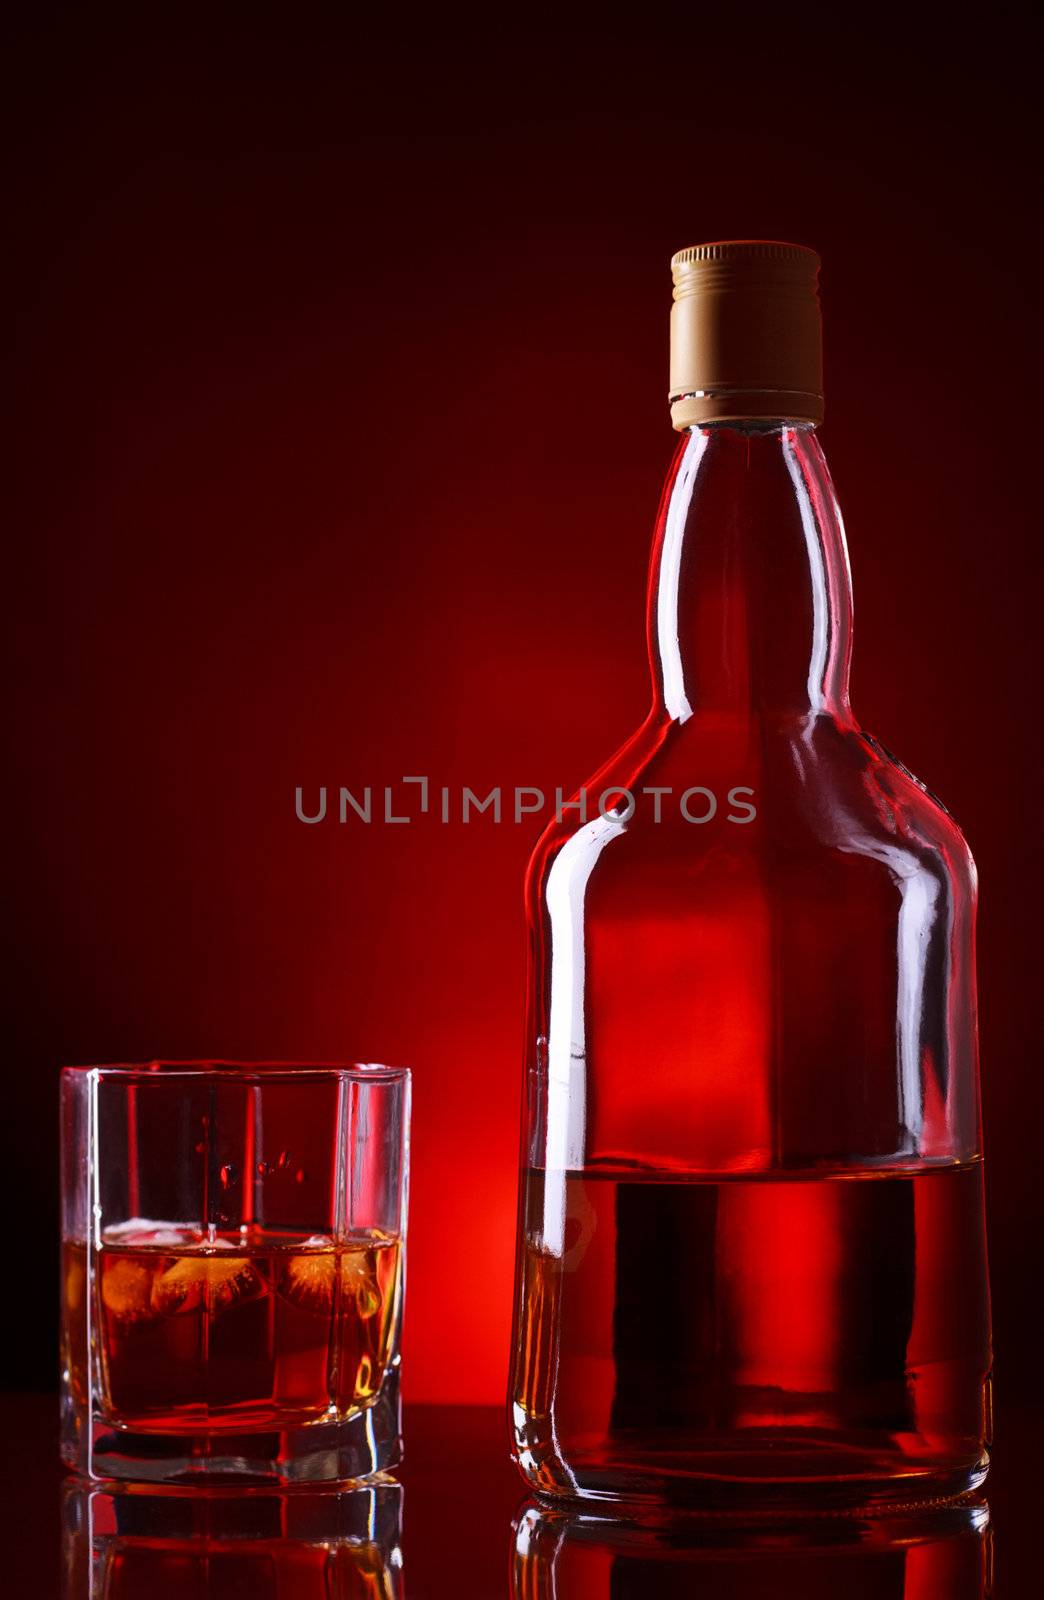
(367, 1442)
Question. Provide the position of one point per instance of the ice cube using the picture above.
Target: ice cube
(125, 1288)
(309, 1280)
(359, 1277)
(139, 1232)
(75, 1282)
(196, 1281)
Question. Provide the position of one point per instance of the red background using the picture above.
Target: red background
(340, 420)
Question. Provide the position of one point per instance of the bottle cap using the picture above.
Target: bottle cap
(746, 334)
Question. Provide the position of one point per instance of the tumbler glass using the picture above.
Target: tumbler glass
(233, 1265)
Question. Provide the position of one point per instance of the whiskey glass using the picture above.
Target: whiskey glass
(233, 1267)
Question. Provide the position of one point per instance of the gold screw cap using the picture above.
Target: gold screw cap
(746, 333)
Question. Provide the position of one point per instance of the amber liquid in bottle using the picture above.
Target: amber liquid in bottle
(751, 1253)
(822, 1327)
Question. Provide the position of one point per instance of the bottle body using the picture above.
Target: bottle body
(751, 1258)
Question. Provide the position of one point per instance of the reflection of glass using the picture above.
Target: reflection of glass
(232, 1273)
(940, 1553)
(148, 1543)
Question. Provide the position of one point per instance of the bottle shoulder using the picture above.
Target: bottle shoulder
(778, 794)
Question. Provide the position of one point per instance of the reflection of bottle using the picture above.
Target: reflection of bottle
(123, 1543)
(936, 1554)
(751, 1252)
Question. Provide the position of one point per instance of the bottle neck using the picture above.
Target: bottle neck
(750, 604)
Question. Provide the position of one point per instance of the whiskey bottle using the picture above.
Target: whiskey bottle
(751, 1257)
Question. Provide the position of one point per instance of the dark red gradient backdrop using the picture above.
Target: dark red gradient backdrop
(340, 419)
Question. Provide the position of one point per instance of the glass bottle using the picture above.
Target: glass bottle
(751, 1253)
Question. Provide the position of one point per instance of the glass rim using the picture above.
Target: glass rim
(242, 1071)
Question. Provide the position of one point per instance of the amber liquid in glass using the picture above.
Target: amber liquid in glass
(787, 1330)
(251, 1329)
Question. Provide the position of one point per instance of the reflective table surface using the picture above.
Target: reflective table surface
(456, 1521)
